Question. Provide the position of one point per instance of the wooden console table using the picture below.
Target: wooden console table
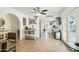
(30, 34)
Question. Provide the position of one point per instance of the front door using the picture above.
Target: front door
(71, 29)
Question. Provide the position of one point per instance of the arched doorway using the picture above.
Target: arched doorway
(12, 23)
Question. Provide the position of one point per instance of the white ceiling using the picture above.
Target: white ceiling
(51, 10)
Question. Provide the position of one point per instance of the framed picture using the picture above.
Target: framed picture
(58, 20)
(32, 21)
(24, 21)
(51, 22)
(2, 22)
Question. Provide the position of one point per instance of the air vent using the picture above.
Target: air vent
(49, 15)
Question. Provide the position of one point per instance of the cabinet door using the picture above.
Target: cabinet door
(12, 35)
(6, 35)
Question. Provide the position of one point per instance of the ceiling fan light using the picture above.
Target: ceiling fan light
(38, 14)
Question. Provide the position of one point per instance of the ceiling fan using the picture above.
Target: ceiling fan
(37, 10)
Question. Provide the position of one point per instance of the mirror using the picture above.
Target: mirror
(2, 22)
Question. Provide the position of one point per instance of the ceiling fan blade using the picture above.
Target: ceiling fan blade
(43, 13)
(32, 12)
(34, 9)
(38, 8)
(44, 10)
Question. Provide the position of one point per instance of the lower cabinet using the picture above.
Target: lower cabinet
(7, 41)
(3, 36)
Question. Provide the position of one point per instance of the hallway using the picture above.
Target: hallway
(42, 45)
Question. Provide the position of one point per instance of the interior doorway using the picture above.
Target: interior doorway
(12, 23)
(43, 29)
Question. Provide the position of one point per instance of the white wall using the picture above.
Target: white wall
(7, 24)
(19, 15)
(10, 22)
(46, 21)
